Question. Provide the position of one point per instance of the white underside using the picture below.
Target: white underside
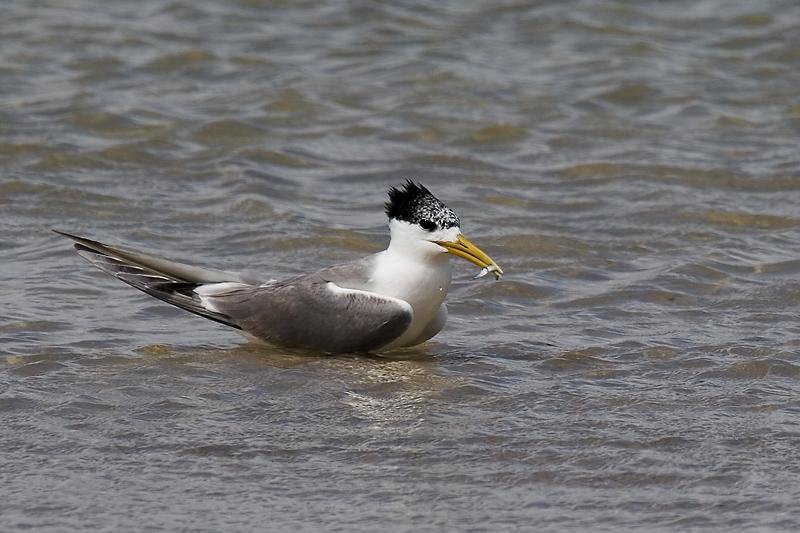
(205, 292)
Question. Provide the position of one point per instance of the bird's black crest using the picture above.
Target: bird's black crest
(414, 203)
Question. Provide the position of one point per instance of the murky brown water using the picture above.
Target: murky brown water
(634, 167)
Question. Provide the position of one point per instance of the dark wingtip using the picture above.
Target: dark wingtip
(69, 235)
(89, 243)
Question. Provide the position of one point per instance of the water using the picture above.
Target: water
(634, 169)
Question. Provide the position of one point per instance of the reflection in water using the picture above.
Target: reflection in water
(256, 353)
(384, 391)
(393, 392)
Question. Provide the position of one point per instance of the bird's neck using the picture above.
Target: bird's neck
(415, 278)
(412, 269)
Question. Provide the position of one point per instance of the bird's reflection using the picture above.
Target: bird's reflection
(398, 388)
(393, 393)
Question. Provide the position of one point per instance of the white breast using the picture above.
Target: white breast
(423, 284)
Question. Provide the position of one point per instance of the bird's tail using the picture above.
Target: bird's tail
(171, 282)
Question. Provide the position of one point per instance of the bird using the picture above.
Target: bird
(391, 299)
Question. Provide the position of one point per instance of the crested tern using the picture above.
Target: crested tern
(394, 298)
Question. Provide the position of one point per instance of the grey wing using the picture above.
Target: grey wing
(326, 311)
(312, 312)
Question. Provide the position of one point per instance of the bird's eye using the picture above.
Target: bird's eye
(428, 225)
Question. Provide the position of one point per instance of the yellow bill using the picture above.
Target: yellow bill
(466, 250)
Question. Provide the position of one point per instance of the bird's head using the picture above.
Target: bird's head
(419, 221)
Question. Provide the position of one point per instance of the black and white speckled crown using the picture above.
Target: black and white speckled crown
(415, 204)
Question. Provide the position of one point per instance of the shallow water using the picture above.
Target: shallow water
(633, 168)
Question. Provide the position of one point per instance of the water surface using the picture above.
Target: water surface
(634, 169)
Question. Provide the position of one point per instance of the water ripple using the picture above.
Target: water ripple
(633, 167)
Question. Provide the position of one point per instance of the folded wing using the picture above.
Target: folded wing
(314, 311)
(311, 312)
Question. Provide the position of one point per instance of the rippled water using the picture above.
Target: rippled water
(634, 167)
